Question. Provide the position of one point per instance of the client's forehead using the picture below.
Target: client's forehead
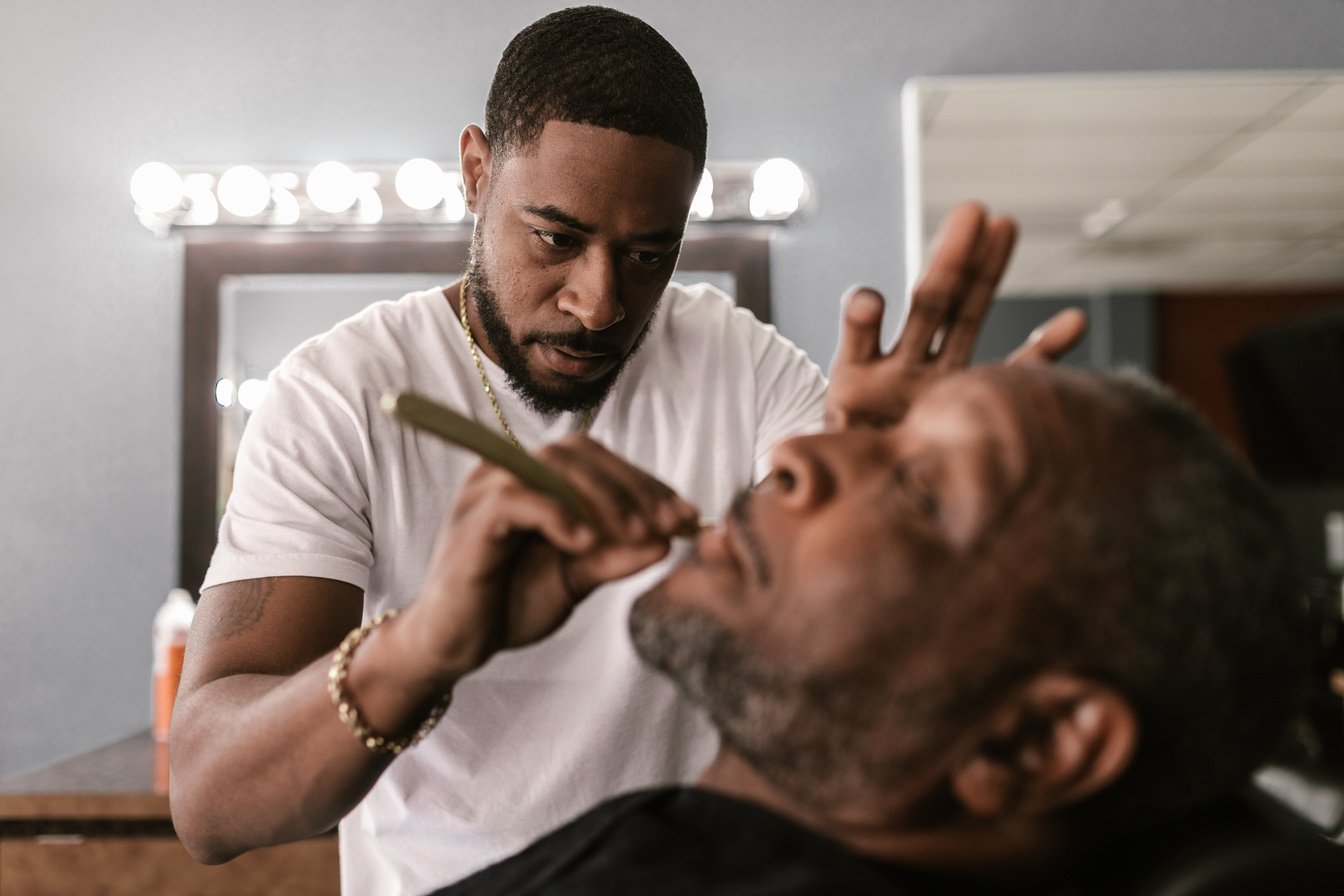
(1037, 421)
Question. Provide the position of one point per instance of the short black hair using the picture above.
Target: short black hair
(597, 66)
(1168, 574)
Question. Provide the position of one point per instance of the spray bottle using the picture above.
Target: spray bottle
(171, 624)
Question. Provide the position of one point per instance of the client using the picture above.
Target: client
(963, 654)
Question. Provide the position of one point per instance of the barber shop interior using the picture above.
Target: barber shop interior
(716, 448)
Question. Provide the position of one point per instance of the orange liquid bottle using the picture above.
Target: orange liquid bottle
(171, 624)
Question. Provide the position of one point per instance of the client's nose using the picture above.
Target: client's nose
(810, 470)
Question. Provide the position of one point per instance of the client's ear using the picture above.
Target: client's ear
(1056, 741)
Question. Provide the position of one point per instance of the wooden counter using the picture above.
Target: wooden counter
(99, 824)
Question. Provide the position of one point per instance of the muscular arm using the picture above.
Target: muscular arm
(258, 753)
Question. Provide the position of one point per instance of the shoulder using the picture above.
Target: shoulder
(700, 320)
(376, 346)
(703, 306)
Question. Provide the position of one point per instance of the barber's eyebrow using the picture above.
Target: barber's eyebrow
(557, 215)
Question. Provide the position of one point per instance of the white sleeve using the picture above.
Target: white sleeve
(300, 498)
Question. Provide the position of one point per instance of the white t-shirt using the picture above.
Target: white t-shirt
(328, 484)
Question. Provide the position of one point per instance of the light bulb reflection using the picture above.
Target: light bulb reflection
(202, 207)
(286, 211)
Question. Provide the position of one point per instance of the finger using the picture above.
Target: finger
(941, 286)
(629, 504)
(1052, 339)
(995, 251)
(494, 508)
(860, 326)
(589, 570)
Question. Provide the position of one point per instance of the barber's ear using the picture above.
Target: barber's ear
(474, 150)
(1056, 742)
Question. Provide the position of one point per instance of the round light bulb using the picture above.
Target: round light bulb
(370, 208)
(702, 206)
(156, 187)
(286, 210)
(777, 189)
(332, 187)
(454, 203)
(421, 184)
(244, 191)
(202, 206)
(224, 392)
(250, 393)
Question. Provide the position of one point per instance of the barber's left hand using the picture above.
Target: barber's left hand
(869, 386)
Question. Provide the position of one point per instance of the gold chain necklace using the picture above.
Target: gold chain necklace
(587, 420)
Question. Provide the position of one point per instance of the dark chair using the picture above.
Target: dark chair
(1257, 843)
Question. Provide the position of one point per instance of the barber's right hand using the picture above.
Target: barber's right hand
(511, 563)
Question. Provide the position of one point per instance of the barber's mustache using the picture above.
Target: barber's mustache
(579, 341)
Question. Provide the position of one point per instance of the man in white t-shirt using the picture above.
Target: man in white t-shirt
(565, 325)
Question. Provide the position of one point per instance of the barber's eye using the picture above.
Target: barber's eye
(646, 258)
(555, 240)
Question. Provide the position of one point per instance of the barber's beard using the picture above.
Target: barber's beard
(511, 353)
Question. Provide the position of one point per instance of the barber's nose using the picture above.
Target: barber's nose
(592, 293)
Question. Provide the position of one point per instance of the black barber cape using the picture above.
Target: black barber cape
(689, 842)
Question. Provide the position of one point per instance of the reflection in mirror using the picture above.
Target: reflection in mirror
(262, 317)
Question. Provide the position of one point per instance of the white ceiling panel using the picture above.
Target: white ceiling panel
(1103, 100)
(1325, 107)
(1314, 150)
(1209, 178)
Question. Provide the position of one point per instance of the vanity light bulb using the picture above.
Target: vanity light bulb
(250, 394)
(224, 392)
(202, 206)
(777, 189)
(702, 206)
(286, 211)
(156, 187)
(421, 184)
(454, 203)
(332, 187)
(370, 208)
(244, 191)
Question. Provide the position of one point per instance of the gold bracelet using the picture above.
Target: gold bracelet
(336, 680)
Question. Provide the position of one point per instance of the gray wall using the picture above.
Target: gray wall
(90, 346)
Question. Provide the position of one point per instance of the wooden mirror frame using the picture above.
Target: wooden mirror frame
(209, 258)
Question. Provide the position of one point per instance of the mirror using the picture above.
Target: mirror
(248, 301)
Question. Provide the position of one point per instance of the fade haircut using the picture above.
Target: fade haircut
(596, 66)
